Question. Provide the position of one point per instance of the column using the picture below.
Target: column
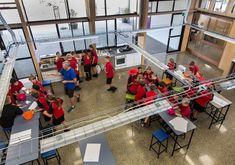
(91, 14)
(28, 39)
(143, 25)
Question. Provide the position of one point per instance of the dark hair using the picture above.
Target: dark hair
(57, 53)
(35, 94)
(36, 87)
(152, 87)
(32, 77)
(57, 101)
(142, 83)
(192, 63)
(73, 52)
(13, 80)
(161, 84)
(139, 67)
(108, 57)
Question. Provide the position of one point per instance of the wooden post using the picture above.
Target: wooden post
(91, 14)
(28, 39)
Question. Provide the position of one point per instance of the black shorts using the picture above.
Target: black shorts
(87, 68)
(58, 121)
(93, 65)
(198, 107)
(69, 92)
(109, 80)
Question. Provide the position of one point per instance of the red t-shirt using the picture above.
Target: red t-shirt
(148, 77)
(194, 69)
(43, 102)
(163, 90)
(95, 57)
(150, 95)
(11, 95)
(73, 64)
(87, 59)
(16, 88)
(185, 111)
(59, 63)
(109, 70)
(133, 87)
(204, 99)
(171, 65)
(140, 94)
(57, 111)
(38, 83)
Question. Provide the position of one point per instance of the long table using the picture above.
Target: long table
(28, 150)
(176, 134)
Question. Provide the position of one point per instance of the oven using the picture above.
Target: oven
(120, 61)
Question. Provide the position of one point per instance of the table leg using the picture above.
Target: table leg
(224, 116)
(176, 140)
(189, 142)
(213, 118)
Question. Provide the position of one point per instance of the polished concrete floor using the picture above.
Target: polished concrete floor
(130, 145)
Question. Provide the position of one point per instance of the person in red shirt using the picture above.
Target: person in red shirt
(162, 88)
(34, 81)
(172, 66)
(94, 61)
(201, 103)
(193, 67)
(16, 86)
(148, 75)
(132, 87)
(184, 108)
(140, 72)
(141, 92)
(150, 96)
(42, 104)
(59, 61)
(12, 96)
(56, 111)
(87, 64)
(109, 74)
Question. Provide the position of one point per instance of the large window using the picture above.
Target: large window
(204, 4)
(221, 5)
(77, 8)
(11, 16)
(111, 7)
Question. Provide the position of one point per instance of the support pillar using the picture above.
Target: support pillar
(28, 39)
(91, 14)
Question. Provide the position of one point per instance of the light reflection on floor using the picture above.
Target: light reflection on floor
(206, 160)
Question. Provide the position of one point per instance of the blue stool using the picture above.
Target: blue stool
(48, 83)
(160, 137)
(50, 155)
(7, 132)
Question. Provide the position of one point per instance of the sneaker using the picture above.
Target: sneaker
(70, 109)
(78, 88)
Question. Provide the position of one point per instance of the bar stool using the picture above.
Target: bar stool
(160, 137)
(48, 83)
(7, 132)
(50, 155)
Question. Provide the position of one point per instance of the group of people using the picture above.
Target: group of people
(147, 86)
(50, 106)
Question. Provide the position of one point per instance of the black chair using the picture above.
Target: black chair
(50, 155)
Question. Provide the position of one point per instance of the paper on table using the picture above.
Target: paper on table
(179, 124)
(33, 105)
(20, 136)
(219, 101)
(92, 152)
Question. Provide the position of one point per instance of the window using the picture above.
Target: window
(11, 16)
(204, 4)
(160, 20)
(21, 70)
(77, 30)
(121, 7)
(221, 5)
(77, 8)
(111, 36)
(45, 32)
(165, 6)
(181, 4)
(101, 28)
(45, 9)
(65, 32)
(100, 7)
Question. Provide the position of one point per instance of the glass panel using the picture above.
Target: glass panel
(23, 49)
(11, 16)
(205, 4)
(126, 24)
(111, 37)
(45, 32)
(101, 28)
(45, 9)
(160, 20)
(23, 72)
(79, 45)
(220, 5)
(181, 4)
(121, 6)
(77, 8)
(165, 6)
(100, 8)
(174, 44)
(78, 31)
(65, 31)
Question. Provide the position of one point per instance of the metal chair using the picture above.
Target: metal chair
(160, 137)
(50, 155)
